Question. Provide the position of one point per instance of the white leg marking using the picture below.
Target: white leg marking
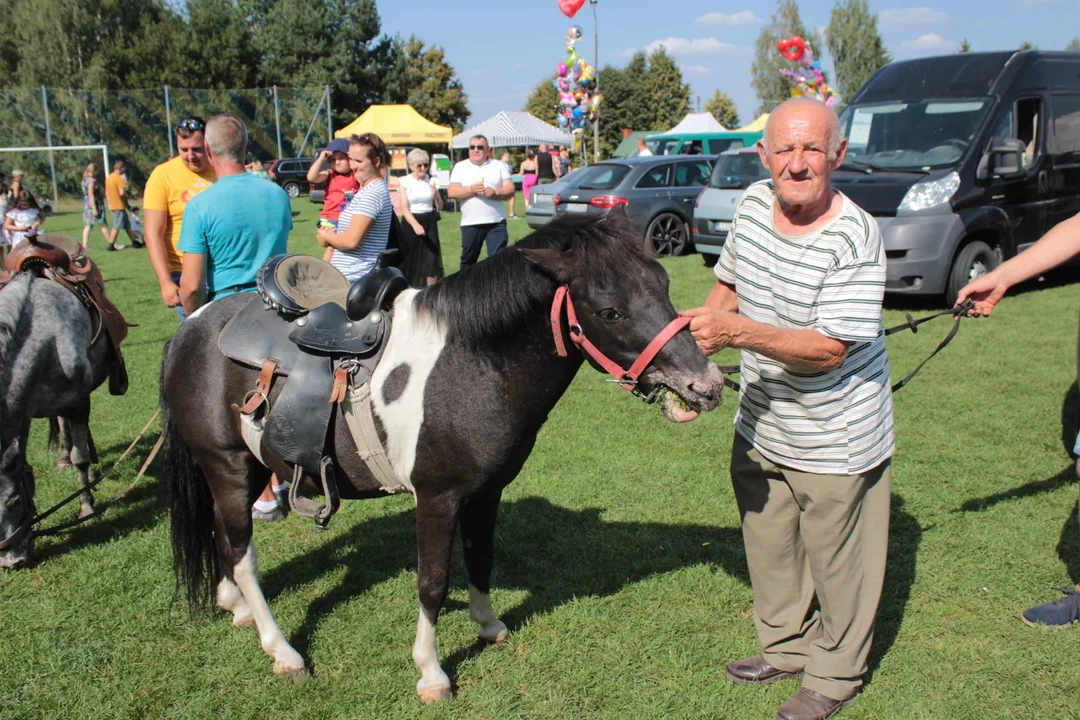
(492, 628)
(417, 341)
(433, 685)
(230, 598)
(287, 662)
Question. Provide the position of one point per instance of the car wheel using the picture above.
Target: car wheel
(666, 235)
(710, 259)
(291, 189)
(974, 260)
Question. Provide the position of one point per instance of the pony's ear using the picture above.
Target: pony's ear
(556, 263)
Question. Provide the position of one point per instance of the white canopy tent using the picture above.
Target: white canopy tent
(697, 123)
(513, 129)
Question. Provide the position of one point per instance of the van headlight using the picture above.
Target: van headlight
(930, 193)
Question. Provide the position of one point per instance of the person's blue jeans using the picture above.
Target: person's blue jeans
(179, 308)
(473, 236)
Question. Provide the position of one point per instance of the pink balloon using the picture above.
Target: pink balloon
(563, 69)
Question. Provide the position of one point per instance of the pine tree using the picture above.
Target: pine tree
(543, 101)
(626, 102)
(669, 96)
(855, 45)
(1028, 45)
(773, 88)
(964, 46)
(722, 107)
(421, 77)
(1074, 45)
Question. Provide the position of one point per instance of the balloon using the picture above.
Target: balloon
(562, 121)
(562, 69)
(563, 85)
(574, 33)
(570, 7)
(566, 98)
(792, 48)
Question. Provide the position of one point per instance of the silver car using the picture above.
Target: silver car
(542, 203)
(735, 170)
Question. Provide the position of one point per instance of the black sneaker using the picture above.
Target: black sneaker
(1057, 613)
(111, 248)
(137, 245)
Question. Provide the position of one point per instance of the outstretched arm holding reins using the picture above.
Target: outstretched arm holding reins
(1053, 249)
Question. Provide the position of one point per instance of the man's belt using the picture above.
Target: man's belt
(230, 290)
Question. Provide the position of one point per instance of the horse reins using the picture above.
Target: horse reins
(627, 378)
(912, 324)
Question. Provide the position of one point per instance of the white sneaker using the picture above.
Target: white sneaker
(118, 246)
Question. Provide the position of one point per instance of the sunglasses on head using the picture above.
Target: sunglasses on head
(190, 125)
(478, 147)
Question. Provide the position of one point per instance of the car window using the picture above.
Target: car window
(602, 177)
(694, 174)
(718, 146)
(305, 165)
(694, 147)
(1022, 122)
(667, 146)
(655, 177)
(285, 167)
(737, 171)
(1065, 121)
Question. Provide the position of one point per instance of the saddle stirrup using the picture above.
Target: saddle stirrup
(319, 512)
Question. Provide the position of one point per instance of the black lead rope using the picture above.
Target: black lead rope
(912, 324)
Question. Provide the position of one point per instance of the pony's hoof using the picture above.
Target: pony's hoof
(495, 634)
(86, 511)
(432, 695)
(64, 463)
(293, 675)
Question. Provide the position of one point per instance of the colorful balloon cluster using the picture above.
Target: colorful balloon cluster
(575, 80)
(808, 78)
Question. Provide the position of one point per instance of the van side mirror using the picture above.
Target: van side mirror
(1006, 158)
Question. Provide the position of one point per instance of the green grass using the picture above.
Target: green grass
(619, 567)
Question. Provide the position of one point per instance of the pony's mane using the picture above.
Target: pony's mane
(13, 299)
(497, 297)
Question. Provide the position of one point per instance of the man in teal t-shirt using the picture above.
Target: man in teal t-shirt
(233, 227)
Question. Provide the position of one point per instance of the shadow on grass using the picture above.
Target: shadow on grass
(557, 554)
(1068, 548)
(933, 303)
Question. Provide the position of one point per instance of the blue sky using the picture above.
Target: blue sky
(502, 48)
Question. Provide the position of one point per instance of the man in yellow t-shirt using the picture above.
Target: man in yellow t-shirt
(170, 186)
(116, 197)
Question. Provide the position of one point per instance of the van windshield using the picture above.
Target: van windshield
(918, 134)
(737, 171)
(662, 146)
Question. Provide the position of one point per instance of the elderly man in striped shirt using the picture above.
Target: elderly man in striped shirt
(799, 289)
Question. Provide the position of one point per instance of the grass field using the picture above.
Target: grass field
(619, 567)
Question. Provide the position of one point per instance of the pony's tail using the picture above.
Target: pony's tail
(191, 507)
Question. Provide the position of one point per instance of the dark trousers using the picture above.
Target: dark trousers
(473, 236)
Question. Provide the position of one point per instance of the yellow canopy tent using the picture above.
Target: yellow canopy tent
(756, 126)
(397, 125)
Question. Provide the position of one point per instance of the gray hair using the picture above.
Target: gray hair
(227, 137)
(833, 136)
(416, 155)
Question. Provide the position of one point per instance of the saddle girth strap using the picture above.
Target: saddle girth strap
(361, 422)
(261, 393)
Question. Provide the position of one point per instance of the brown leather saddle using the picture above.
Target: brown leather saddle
(63, 259)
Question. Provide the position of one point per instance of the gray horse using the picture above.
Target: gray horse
(50, 362)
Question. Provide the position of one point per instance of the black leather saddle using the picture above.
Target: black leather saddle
(307, 323)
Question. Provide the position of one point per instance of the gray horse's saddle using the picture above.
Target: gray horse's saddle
(309, 324)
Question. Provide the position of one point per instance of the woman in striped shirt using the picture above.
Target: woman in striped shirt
(364, 225)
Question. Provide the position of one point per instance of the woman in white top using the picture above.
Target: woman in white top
(420, 203)
(24, 217)
(364, 225)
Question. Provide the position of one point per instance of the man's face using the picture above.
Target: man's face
(797, 157)
(340, 162)
(192, 150)
(120, 168)
(478, 151)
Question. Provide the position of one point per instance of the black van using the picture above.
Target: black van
(965, 160)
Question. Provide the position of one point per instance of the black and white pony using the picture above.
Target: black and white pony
(49, 365)
(471, 371)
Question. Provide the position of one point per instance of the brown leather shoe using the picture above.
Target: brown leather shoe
(756, 670)
(810, 705)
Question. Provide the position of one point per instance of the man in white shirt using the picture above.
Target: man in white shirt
(643, 149)
(481, 184)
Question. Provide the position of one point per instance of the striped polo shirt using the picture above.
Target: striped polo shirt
(831, 280)
(372, 200)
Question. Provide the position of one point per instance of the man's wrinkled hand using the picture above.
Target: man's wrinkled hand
(713, 330)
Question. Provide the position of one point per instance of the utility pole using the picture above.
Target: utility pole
(596, 60)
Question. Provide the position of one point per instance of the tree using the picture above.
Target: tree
(543, 100)
(669, 96)
(964, 46)
(625, 104)
(1074, 45)
(307, 43)
(855, 45)
(773, 88)
(1028, 45)
(421, 77)
(722, 107)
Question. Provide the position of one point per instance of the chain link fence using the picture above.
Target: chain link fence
(136, 125)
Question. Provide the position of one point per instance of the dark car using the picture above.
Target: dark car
(291, 175)
(657, 193)
(964, 160)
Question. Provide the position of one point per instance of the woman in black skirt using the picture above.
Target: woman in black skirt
(420, 204)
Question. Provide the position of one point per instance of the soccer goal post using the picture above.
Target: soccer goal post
(52, 166)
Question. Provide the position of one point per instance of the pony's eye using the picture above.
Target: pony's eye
(610, 314)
